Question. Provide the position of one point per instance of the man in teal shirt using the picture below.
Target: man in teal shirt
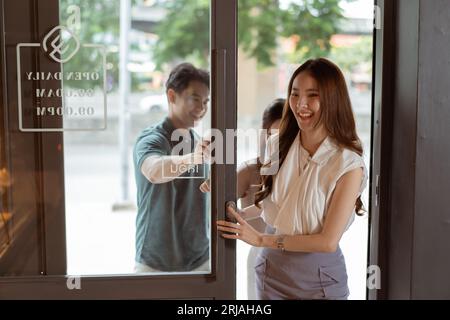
(172, 220)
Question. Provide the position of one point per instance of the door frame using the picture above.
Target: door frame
(381, 154)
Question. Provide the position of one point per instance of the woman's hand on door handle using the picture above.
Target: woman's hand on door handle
(240, 230)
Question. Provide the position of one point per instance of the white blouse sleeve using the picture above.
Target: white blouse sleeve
(352, 161)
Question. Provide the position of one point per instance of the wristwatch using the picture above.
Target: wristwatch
(280, 243)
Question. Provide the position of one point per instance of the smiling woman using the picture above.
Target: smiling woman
(306, 109)
(346, 39)
(311, 201)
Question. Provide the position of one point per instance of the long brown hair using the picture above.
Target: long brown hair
(336, 116)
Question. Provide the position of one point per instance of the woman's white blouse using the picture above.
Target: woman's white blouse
(304, 185)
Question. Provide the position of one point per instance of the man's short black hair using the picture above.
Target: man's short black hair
(183, 74)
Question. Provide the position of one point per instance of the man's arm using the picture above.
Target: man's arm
(162, 169)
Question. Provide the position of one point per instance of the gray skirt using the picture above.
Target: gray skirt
(297, 275)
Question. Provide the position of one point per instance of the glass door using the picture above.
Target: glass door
(274, 38)
(91, 91)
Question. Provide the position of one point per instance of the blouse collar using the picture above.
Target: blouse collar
(323, 153)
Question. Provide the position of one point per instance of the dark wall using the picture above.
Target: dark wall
(431, 261)
(419, 213)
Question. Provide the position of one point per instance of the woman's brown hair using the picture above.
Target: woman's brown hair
(272, 113)
(336, 116)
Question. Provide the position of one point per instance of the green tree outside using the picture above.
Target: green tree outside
(183, 34)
